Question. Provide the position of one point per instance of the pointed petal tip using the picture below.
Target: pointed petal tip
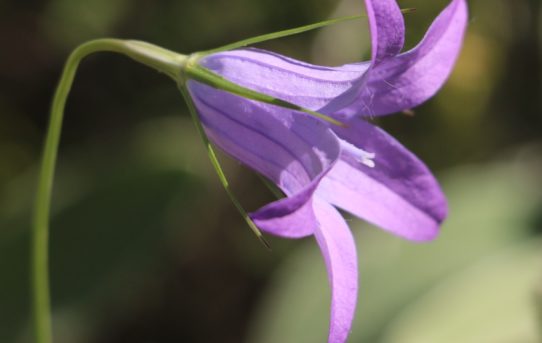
(387, 27)
(420, 236)
(339, 251)
(432, 231)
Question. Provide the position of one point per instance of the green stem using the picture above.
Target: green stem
(218, 168)
(158, 58)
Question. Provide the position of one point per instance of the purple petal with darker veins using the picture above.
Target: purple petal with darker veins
(398, 193)
(411, 78)
(389, 83)
(304, 84)
(387, 29)
(292, 149)
(339, 251)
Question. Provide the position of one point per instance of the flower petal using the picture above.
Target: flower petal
(398, 194)
(290, 217)
(304, 84)
(387, 29)
(389, 83)
(292, 149)
(339, 251)
(310, 85)
(411, 78)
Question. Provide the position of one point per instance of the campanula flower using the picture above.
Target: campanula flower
(319, 166)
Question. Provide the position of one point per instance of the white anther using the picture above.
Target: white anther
(364, 157)
(367, 158)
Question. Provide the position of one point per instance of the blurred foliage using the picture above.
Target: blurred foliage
(87, 19)
(146, 246)
(498, 293)
(113, 227)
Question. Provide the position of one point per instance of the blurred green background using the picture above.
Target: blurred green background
(146, 247)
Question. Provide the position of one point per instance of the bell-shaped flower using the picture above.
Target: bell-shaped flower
(357, 167)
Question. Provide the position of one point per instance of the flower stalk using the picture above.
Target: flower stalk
(164, 61)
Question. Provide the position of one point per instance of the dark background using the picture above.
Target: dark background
(146, 246)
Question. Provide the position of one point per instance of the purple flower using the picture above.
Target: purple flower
(358, 168)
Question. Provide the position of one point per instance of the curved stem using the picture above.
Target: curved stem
(158, 58)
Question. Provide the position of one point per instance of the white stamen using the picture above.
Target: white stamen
(367, 158)
(364, 157)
